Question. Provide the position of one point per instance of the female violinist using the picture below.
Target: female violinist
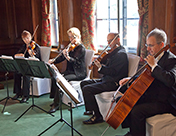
(113, 68)
(29, 49)
(74, 54)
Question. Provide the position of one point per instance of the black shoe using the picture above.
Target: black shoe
(88, 113)
(127, 134)
(24, 99)
(53, 109)
(51, 104)
(94, 120)
(16, 97)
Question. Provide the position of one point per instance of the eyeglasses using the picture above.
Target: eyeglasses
(73, 37)
(150, 45)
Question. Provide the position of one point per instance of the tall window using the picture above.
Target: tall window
(54, 23)
(117, 16)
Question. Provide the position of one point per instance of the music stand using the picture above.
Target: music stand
(7, 64)
(69, 91)
(33, 68)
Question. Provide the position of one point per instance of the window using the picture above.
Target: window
(117, 16)
(54, 23)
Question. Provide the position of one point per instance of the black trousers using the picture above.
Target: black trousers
(136, 120)
(24, 90)
(55, 91)
(92, 87)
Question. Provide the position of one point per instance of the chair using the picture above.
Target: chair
(161, 125)
(104, 99)
(42, 85)
(76, 84)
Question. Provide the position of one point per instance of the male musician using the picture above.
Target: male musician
(113, 68)
(160, 97)
(25, 51)
(76, 67)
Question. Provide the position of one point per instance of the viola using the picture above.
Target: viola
(103, 53)
(132, 94)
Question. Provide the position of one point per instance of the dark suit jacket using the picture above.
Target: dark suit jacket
(163, 88)
(77, 61)
(116, 65)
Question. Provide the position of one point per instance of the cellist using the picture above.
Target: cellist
(160, 96)
(114, 67)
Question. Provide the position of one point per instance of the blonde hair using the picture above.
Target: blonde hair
(25, 33)
(75, 31)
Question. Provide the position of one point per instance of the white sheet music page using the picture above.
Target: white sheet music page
(6, 57)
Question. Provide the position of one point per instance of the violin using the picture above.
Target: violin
(103, 53)
(31, 47)
(69, 48)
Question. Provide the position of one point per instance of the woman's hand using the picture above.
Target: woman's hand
(19, 55)
(50, 61)
(66, 55)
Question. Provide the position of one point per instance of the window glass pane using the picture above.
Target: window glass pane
(102, 31)
(113, 8)
(132, 33)
(102, 9)
(113, 24)
(132, 9)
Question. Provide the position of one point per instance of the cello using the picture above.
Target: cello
(132, 94)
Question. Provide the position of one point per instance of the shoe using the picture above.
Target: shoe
(127, 134)
(51, 104)
(88, 113)
(16, 97)
(53, 109)
(94, 120)
(24, 99)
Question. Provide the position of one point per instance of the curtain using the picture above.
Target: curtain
(46, 38)
(88, 23)
(143, 28)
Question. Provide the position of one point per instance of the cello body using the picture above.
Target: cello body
(129, 99)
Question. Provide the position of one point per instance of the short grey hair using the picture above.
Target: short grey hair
(159, 35)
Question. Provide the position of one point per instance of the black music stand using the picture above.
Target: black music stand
(71, 97)
(33, 68)
(7, 64)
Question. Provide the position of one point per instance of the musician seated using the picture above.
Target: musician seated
(76, 67)
(113, 66)
(29, 49)
(160, 96)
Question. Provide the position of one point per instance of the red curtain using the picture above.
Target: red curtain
(88, 24)
(143, 28)
(46, 38)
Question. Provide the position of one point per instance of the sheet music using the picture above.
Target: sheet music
(30, 58)
(69, 91)
(6, 57)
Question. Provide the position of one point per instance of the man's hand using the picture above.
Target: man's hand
(151, 60)
(97, 63)
(123, 81)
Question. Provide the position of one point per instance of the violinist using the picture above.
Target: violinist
(76, 68)
(29, 49)
(160, 97)
(113, 68)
